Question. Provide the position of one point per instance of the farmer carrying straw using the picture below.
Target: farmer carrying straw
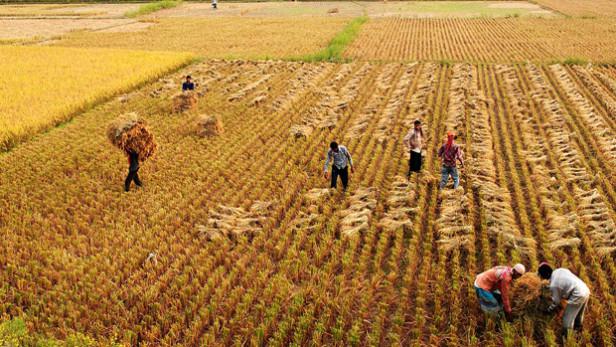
(341, 159)
(492, 288)
(564, 285)
(133, 169)
(450, 153)
(414, 142)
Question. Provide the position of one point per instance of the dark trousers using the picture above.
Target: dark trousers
(344, 176)
(132, 176)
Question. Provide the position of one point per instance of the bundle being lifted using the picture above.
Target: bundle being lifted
(130, 134)
(529, 295)
(184, 101)
(208, 126)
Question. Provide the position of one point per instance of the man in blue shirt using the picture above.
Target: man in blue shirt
(188, 85)
(341, 160)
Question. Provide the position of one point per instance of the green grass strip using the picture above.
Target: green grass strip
(152, 7)
(333, 51)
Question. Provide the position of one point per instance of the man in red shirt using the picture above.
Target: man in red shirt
(450, 153)
(492, 288)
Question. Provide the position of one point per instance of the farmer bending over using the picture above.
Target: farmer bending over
(341, 160)
(492, 288)
(564, 285)
(188, 85)
(450, 153)
(133, 168)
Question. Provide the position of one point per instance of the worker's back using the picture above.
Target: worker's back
(570, 287)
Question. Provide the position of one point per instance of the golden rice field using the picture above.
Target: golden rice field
(577, 8)
(390, 263)
(225, 37)
(486, 40)
(43, 86)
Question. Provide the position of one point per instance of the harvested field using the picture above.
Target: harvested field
(577, 8)
(57, 89)
(486, 40)
(237, 238)
(221, 37)
(67, 10)
(11, 29)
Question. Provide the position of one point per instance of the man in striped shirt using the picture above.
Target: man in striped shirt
(341, 159)
(450, 153)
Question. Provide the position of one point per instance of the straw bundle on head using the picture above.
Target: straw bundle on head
(529, 295)
(207, 126)
(184, 101)
(130, 134)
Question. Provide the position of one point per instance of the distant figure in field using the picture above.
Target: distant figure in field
(214, 4)
(564, 285)
(133, 168)
(450, 153)
(341, 159)
(188, 85)
(414, 142)
(492, 288)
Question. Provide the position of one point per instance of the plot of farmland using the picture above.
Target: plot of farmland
(390, 262)
(44, 86)
(486, 40)
(578, 8)
(222, 37)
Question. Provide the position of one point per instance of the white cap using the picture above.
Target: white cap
(519, 268)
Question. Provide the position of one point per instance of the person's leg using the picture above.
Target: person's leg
(487, 301)
(129, 179)
(456, 178)
(444, 177)
(579, 319)
(571, 312)
(344, 176)
(408, 176)
(334, 177)
(136, 179)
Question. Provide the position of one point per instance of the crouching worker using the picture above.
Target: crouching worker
(492, 288)
(564, 285)
(341, 159)
(133, 169)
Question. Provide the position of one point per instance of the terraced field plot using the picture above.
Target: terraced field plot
(42, 87)
(380, 265)
(486, 40)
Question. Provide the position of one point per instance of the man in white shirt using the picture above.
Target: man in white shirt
(340, 158)
(414, 142)
(564, 285)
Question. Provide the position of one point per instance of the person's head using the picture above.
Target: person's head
(334, 146)
(518, 271)
(545, 271)
(417, 124)
(450, 137)
(188, 79)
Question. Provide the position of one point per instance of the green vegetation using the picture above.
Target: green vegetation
(574, 61)
(336, 46)
(14, 333)
(152, 7)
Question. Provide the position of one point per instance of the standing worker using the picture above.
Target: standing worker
(450, 153)
(341, 160)
(188, 85)
(414, 142)
(133, 168)
(214, 4)
(492, 288)
(564, 285)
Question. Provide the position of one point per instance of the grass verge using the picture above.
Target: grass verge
(152, 7)
(335, 48)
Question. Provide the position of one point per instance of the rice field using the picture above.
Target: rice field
(378, 265)
(588, 9)
(43, 86)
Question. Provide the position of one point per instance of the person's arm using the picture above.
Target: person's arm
(555, 298)
(327, 159)
(504, 289)
(441, 151)
(407, 140)
(348, 154)
(460, 156)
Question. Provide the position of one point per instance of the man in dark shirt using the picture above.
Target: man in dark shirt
(133, 168)
(188, 85)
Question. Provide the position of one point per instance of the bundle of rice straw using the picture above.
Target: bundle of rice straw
(529, 295)
(129, 133)
(207, 126)
(184, 101)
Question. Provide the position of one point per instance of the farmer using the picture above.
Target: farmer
(188, 85)
(341, 159)
(214, 4)
(450, 153)
(414, 141)
(492, 288)
(564, 285)
(133, 168)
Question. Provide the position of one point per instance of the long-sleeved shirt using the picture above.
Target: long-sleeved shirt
(451, 154)
(340, 159)
(413, 140)
(498, 277)
(565, 285)
(133, 161)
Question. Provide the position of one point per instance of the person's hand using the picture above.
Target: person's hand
(326, 175)
(509, 317)
(352, 169)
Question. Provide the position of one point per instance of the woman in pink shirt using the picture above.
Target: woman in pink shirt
(492, 288)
